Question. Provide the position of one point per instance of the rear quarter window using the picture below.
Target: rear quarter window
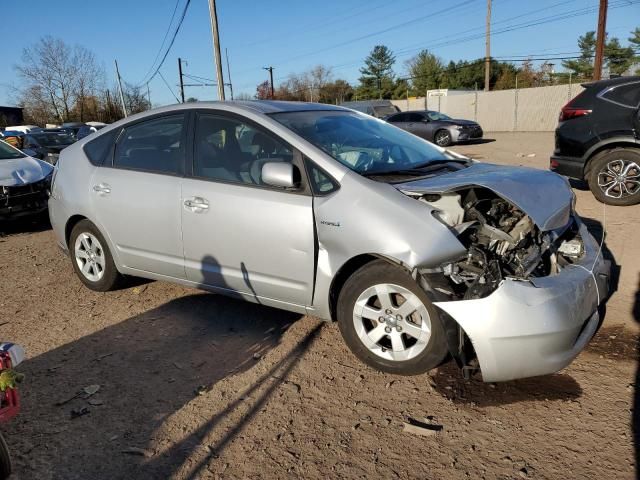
(627, 95)
(100, 148)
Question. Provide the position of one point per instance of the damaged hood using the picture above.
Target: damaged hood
(21, 171)
(545, 196)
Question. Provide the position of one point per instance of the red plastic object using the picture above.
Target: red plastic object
(9, 399)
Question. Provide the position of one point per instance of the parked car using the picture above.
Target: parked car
(375, 108)
(46, 145)
(22, 128)
(24, 183)
(436, 127)
(88, 129)
(417, 252)
(72, 128)
(598, 140)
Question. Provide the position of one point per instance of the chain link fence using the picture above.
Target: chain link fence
(517, 110)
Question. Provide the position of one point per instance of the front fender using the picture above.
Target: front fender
(370, 218)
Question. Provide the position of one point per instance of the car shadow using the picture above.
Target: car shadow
(635, 416)
(27, 224)
(479, 141)
(559, 386)
(148, 368)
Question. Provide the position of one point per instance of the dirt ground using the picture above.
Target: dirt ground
(195, 385)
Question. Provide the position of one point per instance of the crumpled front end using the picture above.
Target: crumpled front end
(537, 326)
(527, 291)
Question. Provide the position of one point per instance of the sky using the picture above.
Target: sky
(293, 36)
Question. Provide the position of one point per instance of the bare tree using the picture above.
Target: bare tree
(58, 78)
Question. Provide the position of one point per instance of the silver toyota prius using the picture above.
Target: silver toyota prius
(417, 252)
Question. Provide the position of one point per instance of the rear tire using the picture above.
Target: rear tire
(92, 259)
(388, 321)
(614, 176)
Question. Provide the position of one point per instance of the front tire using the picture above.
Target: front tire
(388, 321)
(614, 176)
(91, 258)
(442, 138)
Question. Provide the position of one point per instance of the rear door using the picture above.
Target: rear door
(136, 196)
(241, 235)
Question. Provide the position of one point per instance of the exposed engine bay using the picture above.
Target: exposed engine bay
(501, 242)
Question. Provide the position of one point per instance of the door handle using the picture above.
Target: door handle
(196, 204)
(102, 189)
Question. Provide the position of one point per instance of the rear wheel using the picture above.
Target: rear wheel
(614, 176)
(442, 138)
(91, 258)
(388, 322)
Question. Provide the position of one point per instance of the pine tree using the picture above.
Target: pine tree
(583, 66)
(377, 74)
(426, 71)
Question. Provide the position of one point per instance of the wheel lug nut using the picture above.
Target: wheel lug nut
(388, 311)
(381, 319)
(387, 329)
(399, 328)
(399, 317)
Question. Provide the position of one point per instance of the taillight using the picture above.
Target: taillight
(567, 113)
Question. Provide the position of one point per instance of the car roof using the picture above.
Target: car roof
(612, 81)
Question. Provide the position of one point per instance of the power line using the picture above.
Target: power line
(168, 86)
(173, 39)
(164, 39)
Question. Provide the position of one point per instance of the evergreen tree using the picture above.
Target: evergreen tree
(618, 58)
(377, 74)
(425, 70)
(583, 66)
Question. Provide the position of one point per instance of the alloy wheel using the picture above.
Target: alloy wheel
(442, 138)
(392, 322)
(89, 256)
(619, 178)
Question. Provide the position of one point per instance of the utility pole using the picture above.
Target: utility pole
(270, 70)
(124, 107)
(226, 54)
(181, 81)
(602, 33)
(216, 48)
(149, 95)
(487, 46)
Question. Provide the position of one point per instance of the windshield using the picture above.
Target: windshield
(438, 116)
(9, 153)
(52, 139)
(360, 142)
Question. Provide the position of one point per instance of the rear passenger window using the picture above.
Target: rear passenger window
(99, 149)
(628, 95)
(152, 146)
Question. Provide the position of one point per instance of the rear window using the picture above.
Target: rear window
(627, 95)
(99, 149)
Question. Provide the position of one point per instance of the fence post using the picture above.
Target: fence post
(569, 95)
(426, 101)
(407, 98)
(515, 109)
(475, 105)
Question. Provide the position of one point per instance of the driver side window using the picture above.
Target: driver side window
(230, 150)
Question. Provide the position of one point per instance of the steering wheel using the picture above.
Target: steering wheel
(364, 162)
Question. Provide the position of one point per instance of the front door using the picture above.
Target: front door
(241, 235)
(137, 196)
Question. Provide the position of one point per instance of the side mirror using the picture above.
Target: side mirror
(278, 174)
